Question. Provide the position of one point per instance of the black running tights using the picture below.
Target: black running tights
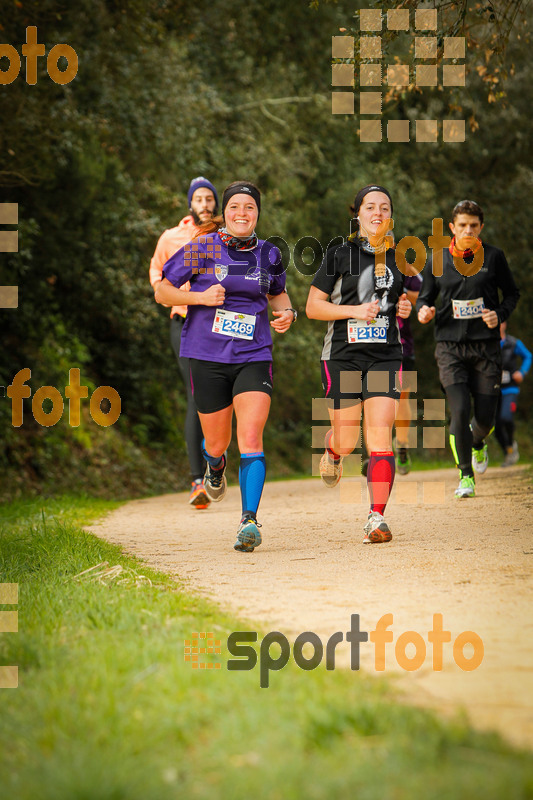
(482, 422)
(193, 429)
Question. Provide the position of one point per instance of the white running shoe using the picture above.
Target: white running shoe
(466, 488)
(480, 459)
(376, 529)
(330, 470)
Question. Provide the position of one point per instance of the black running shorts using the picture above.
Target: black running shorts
(214, 385)
(478, 364)
(358, 380)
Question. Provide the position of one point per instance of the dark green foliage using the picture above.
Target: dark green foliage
(99, 167)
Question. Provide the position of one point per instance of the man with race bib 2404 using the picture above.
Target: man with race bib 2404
(468, 337)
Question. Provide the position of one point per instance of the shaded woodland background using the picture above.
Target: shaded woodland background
(166, 91)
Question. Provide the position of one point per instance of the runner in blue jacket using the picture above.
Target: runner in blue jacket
(234, 277)
(512, 377)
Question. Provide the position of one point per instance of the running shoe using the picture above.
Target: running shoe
(376, 529)
(330, 468)
(198, 497)
(512, 458)
(215, 481)
(403, 461)
(466, 488)
(248, 536)
(480, 459)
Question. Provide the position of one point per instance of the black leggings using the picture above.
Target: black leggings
(482, 422)
(193, 429)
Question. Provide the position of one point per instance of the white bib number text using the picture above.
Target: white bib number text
(234, 324)
(468, 309)
(361, 331)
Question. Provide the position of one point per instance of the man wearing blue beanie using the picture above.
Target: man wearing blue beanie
(202, 200)
(195, 185)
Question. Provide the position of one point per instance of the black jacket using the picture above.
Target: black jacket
(494, 275)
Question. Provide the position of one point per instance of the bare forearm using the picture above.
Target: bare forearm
(169, 295)
(323, 309)
(326, 310)
(279, 302)
(166, 294)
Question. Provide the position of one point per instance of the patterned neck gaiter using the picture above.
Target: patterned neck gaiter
(365, 245)
(238, 243)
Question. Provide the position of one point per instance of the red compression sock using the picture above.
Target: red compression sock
(380, 477)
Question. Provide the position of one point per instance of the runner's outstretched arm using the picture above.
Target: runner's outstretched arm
(281, 308)
(319, 307)
(167, 293)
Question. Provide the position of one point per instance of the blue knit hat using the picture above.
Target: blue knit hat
(200, 183)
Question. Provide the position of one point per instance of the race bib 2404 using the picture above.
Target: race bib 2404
(468, 309)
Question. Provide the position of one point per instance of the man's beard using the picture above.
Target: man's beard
(198, 220)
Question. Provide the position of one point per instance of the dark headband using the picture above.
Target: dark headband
(242, 188)
(361, 194)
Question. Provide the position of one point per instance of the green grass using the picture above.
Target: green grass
(107, 709)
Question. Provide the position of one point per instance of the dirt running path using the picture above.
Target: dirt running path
(469, 560)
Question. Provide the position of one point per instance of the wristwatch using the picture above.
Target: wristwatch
(294, 313)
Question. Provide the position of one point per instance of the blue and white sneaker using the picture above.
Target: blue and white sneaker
(248, 536)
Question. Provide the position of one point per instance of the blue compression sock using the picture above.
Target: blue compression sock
(252, 471)
(214, 461)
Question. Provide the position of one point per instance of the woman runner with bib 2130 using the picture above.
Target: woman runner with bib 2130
(226, 335)
(358, 289)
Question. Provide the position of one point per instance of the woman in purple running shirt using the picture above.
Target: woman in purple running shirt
(234, 277)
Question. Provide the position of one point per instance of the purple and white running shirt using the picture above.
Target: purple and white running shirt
(247, 276)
